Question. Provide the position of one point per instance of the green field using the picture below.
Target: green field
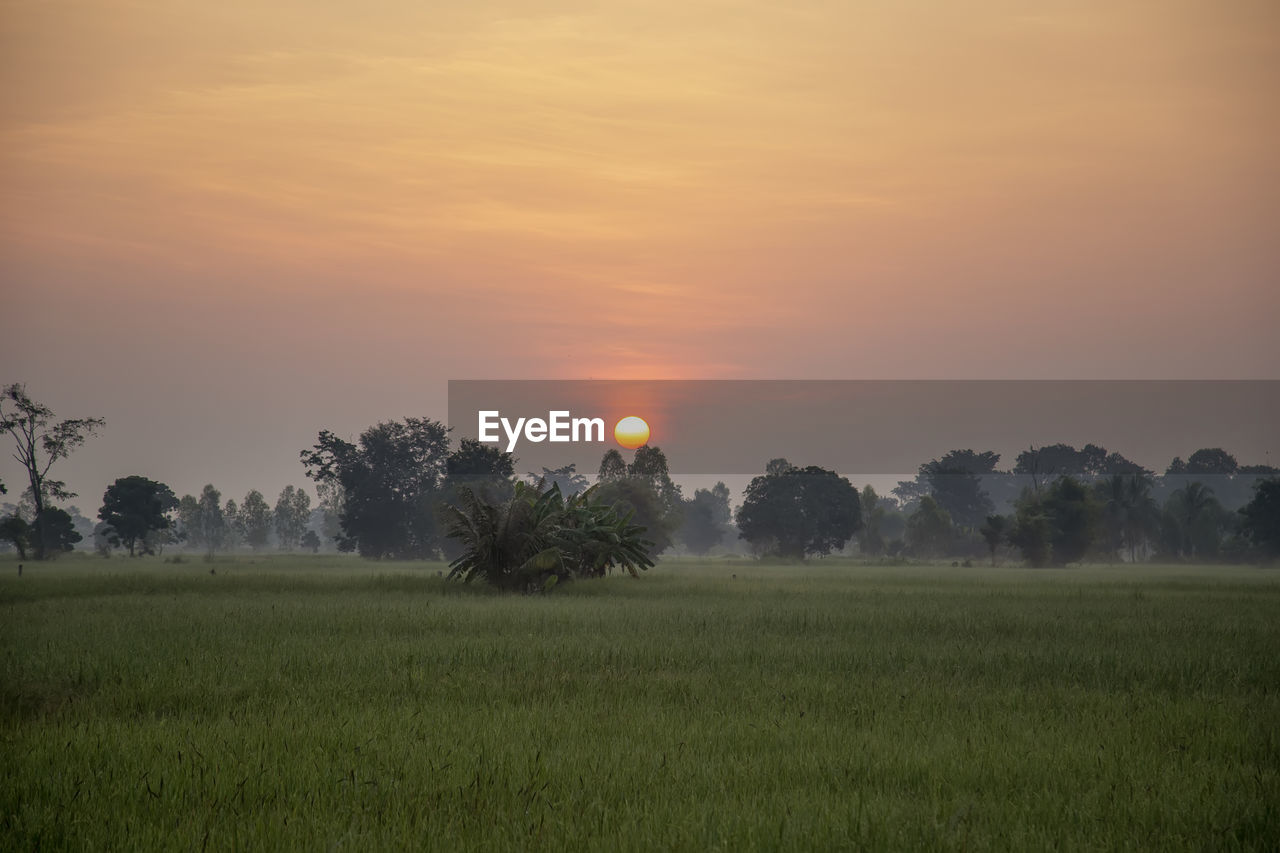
(325, 703)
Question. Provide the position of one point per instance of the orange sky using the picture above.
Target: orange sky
(227, 226)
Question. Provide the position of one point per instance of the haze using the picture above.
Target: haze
(226, 227)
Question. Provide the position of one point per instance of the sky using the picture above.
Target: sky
(226, 226)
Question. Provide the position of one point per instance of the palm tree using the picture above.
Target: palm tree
(1131, 514)
(536, 537)
(1194, 511)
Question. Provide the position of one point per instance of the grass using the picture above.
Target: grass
(711, 705)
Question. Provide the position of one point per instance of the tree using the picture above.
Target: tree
(638, 500)
(871, 537)
(233, 534)
(798, 512)
(311, 541)
(210, 522)
(705, 519)
(994, 532)
(390, 482)
(256, 519)
(1211, 460)
(566, 477)
(1130, 516)
(1032, 531)
(1191, 522)
(134, 507)
(293, 511)
(1262, 517)
(650, 466)
(929, 528)
(1074, 513)
(954, 481)
(55, 532)
(535, 537)
(16, 531)
(611, 467)
(40, 443)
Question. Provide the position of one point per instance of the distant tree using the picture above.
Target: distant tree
(188, 522)
(612, 467)
(1074, 513)
(234, 537)
(16, 531)
(390, 482)
(1191, 524)
(1211, 460)
(55, 531)
(929, 528)
(799, 512)
(256, 519)
(566, 477)
(909, 493)
(1058, 525)
(1032, 531)
(637, 499)
(776, 467)
(870, 537)
(311, 541)
(41, 442)
(650, 466)
(136, 506)
(1130, 515)
(1262, 517)
(995, 530)
(331, 502)
(479, 466)
(293, 511)
(705, 519)
(955, 483)
(210, 522)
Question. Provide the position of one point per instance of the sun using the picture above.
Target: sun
(631, 432)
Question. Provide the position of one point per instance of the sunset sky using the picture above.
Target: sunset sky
(229, 225)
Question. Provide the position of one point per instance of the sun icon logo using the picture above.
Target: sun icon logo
(631, 432)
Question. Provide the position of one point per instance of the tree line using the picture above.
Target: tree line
(403, 490)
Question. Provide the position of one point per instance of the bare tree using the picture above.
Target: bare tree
(41, 442)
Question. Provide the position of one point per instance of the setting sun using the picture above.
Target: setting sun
(631, 432)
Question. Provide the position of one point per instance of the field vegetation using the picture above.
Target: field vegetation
(327, 702)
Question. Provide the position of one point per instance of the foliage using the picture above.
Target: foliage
(1191, 523)
(390, 481)
(638, 500)
(954, 482)
(799, 512)
(705, 519)
(311, 541)
(15, 530)
(1130, 515)
(1262, 517)
(566, 477)
(40, 443)
(210, 523)
(612, 467)
(1058, 525)
(292, 512)
(535, 537)
(55, 532)
(994, 531)
(929, 528)
(256, 519)
(134, 507)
